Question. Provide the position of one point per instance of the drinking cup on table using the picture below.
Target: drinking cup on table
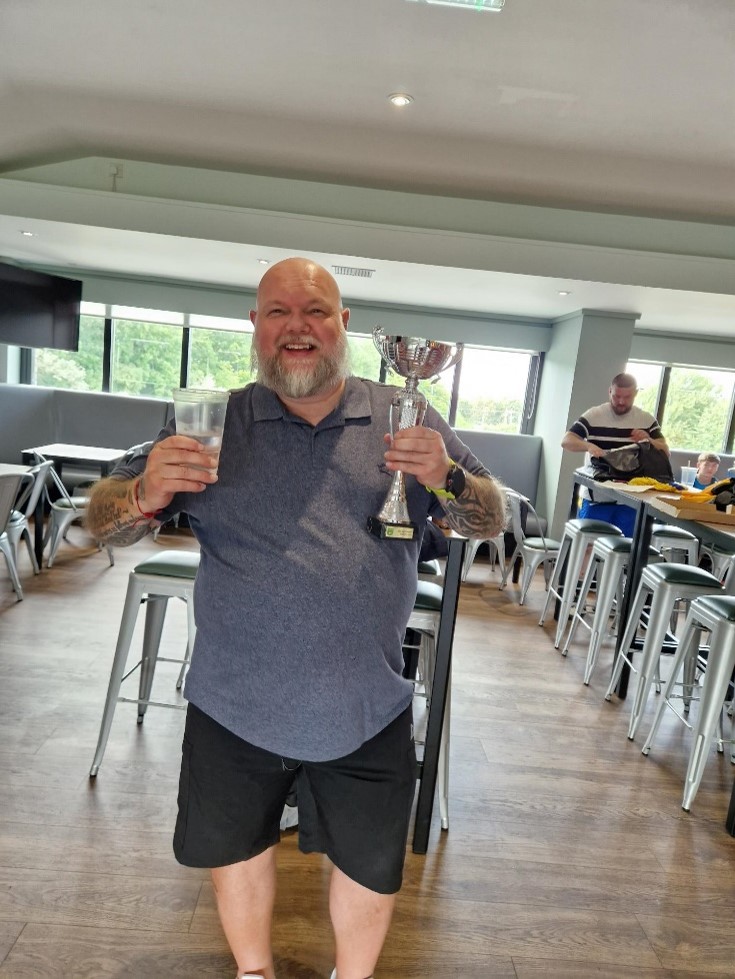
(688, 475)
(200, 414)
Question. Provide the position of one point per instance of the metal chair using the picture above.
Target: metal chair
(64, 511)
(497, 553)
(533, 552)
(169, 574)
(9, 483)
(25, 507)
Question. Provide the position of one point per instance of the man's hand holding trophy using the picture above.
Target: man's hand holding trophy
(416, 360)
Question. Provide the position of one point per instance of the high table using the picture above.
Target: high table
(648, 508)
(59, 453)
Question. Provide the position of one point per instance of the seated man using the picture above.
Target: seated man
(707, 466)
(611, 425)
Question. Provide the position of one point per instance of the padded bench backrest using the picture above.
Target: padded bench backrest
(112, 421)
(32, 415)
(514, 459)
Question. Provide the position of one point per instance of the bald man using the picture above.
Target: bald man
(296, 675)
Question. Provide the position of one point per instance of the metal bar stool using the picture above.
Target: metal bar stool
(665, 585)
(716, 614)
(169, 574)
(579, 534)
(669, 539)
(609, 561)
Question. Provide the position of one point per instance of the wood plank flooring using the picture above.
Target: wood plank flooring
(568, 855)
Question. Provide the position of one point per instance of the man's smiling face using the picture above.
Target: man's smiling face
(300, 340)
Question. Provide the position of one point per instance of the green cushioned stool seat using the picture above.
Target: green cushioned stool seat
(723, 606)
(591, 526)
(428, 596)
(668, 530)
(430, 567)
(682, 574)
(173, 564)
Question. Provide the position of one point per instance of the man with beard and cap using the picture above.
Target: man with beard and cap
(611, 425)
(296, 674)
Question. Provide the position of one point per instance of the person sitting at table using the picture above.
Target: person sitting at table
(611, 425)
(707, 466)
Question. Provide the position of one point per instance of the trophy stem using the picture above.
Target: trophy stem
(395, 505)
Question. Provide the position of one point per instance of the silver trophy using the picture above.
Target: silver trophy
(416, 360)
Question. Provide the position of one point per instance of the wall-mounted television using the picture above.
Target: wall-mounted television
(38, 310)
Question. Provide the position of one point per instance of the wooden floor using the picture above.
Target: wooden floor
(568, 855)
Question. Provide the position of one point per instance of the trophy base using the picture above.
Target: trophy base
(392, 531)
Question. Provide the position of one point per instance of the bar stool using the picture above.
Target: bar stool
(608, 564)
(668, 539)
(169, 574)
(579, 534)
(716, 614)
(665, 585)
(722, 560)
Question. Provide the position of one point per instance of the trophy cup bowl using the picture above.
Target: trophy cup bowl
(416, 360)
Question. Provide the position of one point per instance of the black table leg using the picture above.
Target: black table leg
(730, 824)
(442, 672)
(638, 561)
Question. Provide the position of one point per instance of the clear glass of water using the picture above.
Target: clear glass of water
(200, 414)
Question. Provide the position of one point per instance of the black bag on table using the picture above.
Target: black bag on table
(632, 461)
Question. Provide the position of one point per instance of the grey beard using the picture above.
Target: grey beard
(303, 382)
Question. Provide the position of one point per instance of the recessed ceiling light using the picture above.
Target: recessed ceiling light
(28, 234)
(264, 261)
(564, 292)
(400, 99)
(489, 5)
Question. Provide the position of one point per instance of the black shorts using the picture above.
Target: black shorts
(355, 809)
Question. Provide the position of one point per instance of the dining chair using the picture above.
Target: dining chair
(25, 507)
(9, 483)
(64, 511)
(496, 546)
(532, 551)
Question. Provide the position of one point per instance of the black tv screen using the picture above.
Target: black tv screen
(38, 310)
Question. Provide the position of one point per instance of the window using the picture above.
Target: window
(697, 408)
(492, 390)
(364, 356)
(648, 377)
(219, 352)
(79, 370)
(146, 358)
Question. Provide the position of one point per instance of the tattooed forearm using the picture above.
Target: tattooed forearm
(480, 510)
(113, 516)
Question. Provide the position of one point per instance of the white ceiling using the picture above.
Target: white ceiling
(621, 107)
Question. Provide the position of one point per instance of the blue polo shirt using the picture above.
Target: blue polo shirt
(300, 611)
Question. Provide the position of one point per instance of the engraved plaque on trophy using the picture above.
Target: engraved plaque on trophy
(416, 360)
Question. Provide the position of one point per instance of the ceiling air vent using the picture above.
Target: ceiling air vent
(352, 270)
